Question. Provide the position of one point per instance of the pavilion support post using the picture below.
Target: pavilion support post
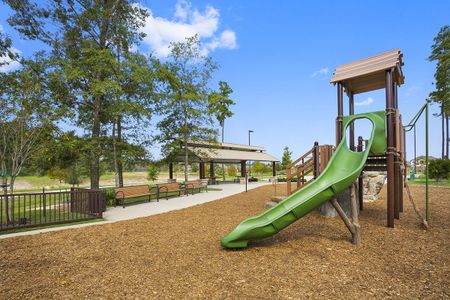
(390, 116)
(202, 170)
(243, 168)
(351, 110)
(274, 170)
(211, 169)
(171, 170)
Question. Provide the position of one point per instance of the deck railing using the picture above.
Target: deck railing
(308, 166)
(40, 209)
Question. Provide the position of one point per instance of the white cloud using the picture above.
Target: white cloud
(322, 72)
(187, 22)
(7, 64)
(366, 102)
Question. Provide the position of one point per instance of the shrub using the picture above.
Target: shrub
(284, 179)
(152, 172)
(252, 179)
(232, 171)
(439, 169)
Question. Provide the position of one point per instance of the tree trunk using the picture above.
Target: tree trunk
(116, 167)
(223, 139)
(11, 184)
(119, 151)
(186, 159)
(443, 131)
(447, 136)
(186, 154)
(98, 100)
(95, 147)
(5, 199)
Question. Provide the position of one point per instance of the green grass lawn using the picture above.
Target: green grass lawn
(37, 183)
(432, 182)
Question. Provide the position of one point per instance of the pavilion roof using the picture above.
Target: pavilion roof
(223, 153)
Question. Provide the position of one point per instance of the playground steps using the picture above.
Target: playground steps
(376, 163)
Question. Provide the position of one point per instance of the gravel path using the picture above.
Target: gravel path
(178, 255)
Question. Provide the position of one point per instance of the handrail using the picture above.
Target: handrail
(303, 167)
(299, 159)
(415, 118)
(319, 157)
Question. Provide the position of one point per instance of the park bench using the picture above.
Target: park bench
(168, 188)
(195, 184)
(122, 193)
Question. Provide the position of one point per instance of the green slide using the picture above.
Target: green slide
(343, 169)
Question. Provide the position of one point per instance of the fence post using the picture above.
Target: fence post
(44, 202)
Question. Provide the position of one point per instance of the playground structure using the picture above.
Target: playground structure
(341, 170)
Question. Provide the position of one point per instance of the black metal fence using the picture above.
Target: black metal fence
(39, 209)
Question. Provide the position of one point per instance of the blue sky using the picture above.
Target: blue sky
(279, 56)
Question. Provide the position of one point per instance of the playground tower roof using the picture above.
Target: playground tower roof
(223, 153)
(368, 74)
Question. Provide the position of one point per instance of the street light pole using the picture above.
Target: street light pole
(249, 165)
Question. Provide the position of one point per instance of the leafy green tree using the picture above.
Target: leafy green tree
(441, 55)
(27, 115)
(194, 167)
(152, 172)
(184, 106)
(439, 169)
(83, 47)
(66, 153)
(57, 173)
(232, 171)
(286, 159)
(6, 51)
(258, 167)
(219, 104)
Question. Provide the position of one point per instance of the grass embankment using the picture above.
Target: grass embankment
(37, 183)
(420, 180)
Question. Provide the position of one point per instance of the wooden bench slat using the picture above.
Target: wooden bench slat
(122, 193)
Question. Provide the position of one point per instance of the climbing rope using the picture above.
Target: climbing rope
(424, 222)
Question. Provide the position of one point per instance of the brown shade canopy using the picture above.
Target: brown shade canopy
(368, 74)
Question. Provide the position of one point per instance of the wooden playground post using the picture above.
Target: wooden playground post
(316, 157)
(390, 150)
(339, 119)
(351, 111)
(353, 225)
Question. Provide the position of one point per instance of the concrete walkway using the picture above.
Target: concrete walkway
(152, 208)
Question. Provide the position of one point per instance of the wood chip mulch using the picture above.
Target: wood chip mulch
(178, 255)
